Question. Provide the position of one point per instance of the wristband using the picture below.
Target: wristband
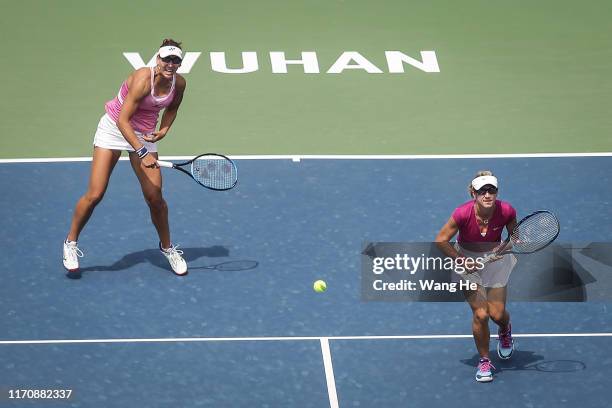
(142, 152)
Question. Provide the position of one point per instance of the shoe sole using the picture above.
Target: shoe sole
(68, 269)
(73, 274)
(484, 379)
(71, 270)
(506, 357)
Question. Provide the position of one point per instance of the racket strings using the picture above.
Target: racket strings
(214, 172)
(535, 232)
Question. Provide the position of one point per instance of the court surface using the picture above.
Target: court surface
(130, 332)
(344, 149)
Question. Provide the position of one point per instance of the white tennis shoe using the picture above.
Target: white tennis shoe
(505, 343)
(174, 256)
(72, 253)
(485, 370)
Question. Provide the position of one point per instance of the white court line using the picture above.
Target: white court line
(329, 373)
(300, 157)
(307, 338)
(324, 341)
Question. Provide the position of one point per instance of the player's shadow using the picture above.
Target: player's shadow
(154, 257)
(528, 360)
(520, 360)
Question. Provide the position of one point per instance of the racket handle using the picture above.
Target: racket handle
(493, 257)
(167, 164)
(487, 258)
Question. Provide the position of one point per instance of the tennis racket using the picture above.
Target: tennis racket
(213, 171)
(533, 233)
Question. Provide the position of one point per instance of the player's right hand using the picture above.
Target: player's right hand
(494, 258)
(149, 161)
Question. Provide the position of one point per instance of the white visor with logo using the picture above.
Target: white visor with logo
(480, 182)
(170, 50)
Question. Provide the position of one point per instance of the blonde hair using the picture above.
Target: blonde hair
(478, 174)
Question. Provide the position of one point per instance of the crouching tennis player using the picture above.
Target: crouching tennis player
(480, 223)
(129, 125)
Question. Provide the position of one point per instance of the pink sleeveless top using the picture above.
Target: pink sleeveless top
(469, 232)
(145, 118)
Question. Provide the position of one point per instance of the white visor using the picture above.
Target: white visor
(170, 50)
(480, 182)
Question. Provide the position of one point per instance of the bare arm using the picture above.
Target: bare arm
(448, 231)
(138, 89)
(503, 246)
(511, 226)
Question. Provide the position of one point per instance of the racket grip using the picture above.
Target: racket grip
(167, 164)
(490, 257)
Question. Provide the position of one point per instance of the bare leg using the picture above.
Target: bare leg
(151, 183)
(496, 299)
(480, 322)
(102, 165)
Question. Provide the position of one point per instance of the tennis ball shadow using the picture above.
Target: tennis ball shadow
(154, 257)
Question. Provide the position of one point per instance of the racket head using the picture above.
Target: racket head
(214, 171)
(535, 232)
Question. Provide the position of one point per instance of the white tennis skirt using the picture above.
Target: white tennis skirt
(493, 275)
(109, 136)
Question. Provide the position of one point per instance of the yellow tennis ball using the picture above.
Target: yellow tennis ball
(319, 286)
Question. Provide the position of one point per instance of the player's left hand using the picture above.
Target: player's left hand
(155, 136)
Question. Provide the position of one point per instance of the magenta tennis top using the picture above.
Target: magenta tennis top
(145, 118)
(469, 232)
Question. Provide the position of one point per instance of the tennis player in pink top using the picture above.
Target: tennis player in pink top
(480, 223)
(129, 124)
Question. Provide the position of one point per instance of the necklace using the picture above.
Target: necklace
(483, 221)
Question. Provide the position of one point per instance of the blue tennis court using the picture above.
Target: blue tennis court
(130, 333)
